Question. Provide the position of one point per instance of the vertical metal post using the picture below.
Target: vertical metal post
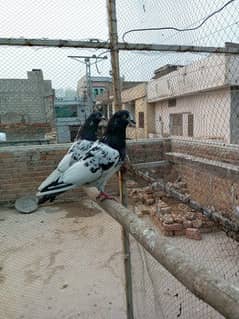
(113, 35)
(89, 85)
(126, 247)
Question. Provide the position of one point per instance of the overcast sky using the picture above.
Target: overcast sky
(84, 19)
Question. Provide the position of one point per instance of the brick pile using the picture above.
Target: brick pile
(172, 218)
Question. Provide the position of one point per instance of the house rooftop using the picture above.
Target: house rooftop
(165, 69)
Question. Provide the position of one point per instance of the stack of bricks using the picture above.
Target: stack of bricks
(176, 221)
(191, 224)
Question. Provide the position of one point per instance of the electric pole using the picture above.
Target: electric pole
(87, 62)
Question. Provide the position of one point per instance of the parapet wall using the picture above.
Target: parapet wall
(23, 168)
(210, 170)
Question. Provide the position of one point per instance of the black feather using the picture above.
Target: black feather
(88, 132)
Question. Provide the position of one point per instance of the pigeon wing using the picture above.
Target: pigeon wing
(97, 163)
(74, 154)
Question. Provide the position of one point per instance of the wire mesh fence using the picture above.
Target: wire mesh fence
(156, 293)
(190, 97)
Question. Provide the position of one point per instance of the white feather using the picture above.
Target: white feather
(98, 165)
(76, 151)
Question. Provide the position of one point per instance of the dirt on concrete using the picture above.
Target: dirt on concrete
(64, 261)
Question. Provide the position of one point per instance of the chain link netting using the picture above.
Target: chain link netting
(190, 98)
(156, 293)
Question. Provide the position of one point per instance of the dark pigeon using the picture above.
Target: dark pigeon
(86, 136)
(100, 162)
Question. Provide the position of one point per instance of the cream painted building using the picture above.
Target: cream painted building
(135, 101)
(200, 100)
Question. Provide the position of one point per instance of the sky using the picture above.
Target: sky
(81, 20)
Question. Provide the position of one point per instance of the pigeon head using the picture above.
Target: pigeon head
(94, 119)
(121, 120)
(115, 134)
(89, 130)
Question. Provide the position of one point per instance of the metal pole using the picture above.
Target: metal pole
(112, 22)
(126, 247)
(121, 45)
(113, 35)
(88, 74)
(89, 85)
(221, 294)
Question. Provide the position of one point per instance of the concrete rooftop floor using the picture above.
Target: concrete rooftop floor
(63, 261)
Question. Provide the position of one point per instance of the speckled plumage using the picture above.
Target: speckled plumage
(98, 163)
(87, 136)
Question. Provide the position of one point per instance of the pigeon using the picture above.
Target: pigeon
(99, 163)
(86, 136)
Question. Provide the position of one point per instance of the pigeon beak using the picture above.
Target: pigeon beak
(103, 122)
(132, 122)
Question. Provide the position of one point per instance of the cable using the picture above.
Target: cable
(177, 29)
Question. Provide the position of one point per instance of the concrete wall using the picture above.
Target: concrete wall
(63, 128)
(211, 111)
(136, 95)
(138, 132)
(234, 115)
(208, 89)
(232, 70)
(208, 150)
(206, 74)
(26, 103)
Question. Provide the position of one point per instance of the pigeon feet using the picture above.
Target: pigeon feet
(103, 196)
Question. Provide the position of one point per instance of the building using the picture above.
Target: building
(26, 108)
(100, 86)
(70, 115)
(200, 100)
(135, 101)
(102, 93)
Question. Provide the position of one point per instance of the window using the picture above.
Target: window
(96, 92)
(66, 111)
(190, 124)
(73, 131)
(171, 102)
(141, 119)
(176, 124)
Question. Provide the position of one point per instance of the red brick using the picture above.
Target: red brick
(172, 227)
(187, 224)
(179, 232)
(193, 233)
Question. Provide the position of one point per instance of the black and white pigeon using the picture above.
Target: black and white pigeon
(86, 136)
(99, 163)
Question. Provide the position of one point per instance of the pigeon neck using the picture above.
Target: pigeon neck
(88, 134)
(116, 140)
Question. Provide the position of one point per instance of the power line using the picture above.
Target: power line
(178, 29)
